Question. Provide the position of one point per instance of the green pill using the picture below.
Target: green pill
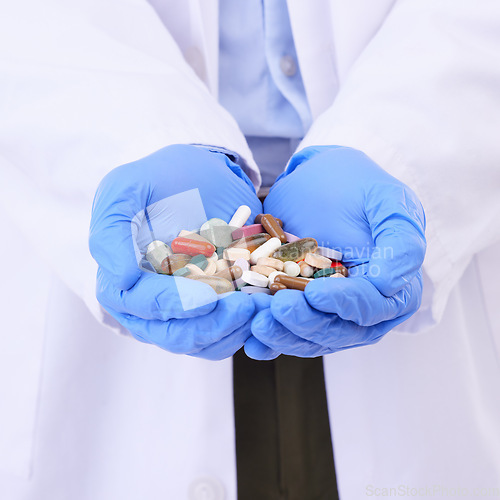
(183, 271)
(200, 261)
(296, 251)
(323, 273)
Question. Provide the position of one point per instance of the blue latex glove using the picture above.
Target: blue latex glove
(176, 314)
(347, 202)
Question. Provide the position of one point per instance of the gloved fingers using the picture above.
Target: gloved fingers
(325, 329)
(157, 296)
(291, 309)
(397, 222)
(358, 300)
(111, 241)
(255, 349)
(191, 335)
(262, 301)
(277, 337)
(124, 194)
(227, 346)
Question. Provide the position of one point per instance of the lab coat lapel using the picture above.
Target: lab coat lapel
(312, 32)
(209, 27)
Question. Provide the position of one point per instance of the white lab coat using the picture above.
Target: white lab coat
(86, 86)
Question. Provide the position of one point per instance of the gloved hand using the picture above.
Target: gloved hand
(347, 202)
(176, 314)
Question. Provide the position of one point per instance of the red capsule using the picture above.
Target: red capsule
(192, 247)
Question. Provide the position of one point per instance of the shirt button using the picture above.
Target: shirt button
(206, 488)
(288, 65)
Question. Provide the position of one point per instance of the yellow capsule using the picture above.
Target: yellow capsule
(220, 285)
(297, 250)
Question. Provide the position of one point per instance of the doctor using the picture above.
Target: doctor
(98, 416)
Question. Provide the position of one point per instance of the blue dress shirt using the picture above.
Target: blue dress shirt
(259, 80)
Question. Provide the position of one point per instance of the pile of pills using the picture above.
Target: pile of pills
(259, 258)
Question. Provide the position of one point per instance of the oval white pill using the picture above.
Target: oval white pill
(265, 250)
(240, 216)
(292, 268)
(243, 263)
(255, 279)
(330, 253)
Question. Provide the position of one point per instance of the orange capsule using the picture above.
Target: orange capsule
(252, 242)
(258, 219)
(293, 283)
(192, 247)
(174, 262)
(270, 224)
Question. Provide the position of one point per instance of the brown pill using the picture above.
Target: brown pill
(276, 287)
(293, 283)
(252, 242)
(270, 224)
(259, 218)
(231, 273)
(174, 262)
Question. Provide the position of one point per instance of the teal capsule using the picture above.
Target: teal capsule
(324, 273)
(199, 260)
